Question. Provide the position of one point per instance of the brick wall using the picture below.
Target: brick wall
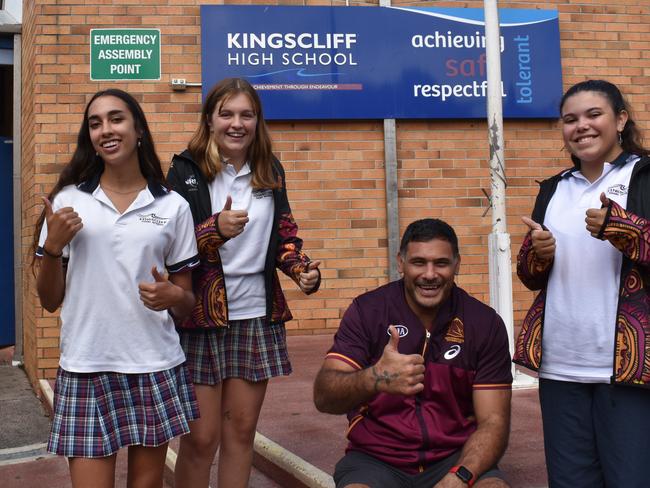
(33, 324)
(334, 169)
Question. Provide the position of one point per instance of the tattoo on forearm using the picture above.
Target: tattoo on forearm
(227, 415)
(383, 376)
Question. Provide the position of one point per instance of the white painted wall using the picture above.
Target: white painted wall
(15, 9)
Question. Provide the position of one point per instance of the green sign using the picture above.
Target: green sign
(124, 54)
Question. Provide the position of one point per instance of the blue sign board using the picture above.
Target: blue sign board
(382, 62)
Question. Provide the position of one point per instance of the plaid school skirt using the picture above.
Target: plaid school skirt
(248, 349)
(96, 414)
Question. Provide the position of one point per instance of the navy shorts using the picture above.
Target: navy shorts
(357, 467)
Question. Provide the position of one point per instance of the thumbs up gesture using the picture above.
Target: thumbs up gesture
(396, 373)
(309, 277)
(543, 240)
(595, 218)
(62, 226)
(231, 223)
(160, 294)
(159, 278)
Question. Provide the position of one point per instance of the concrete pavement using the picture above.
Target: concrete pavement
(24, 425)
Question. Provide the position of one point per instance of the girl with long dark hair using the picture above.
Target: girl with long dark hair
(115, 249)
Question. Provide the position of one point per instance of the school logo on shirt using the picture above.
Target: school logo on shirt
(152, 218)
(191, 183)
(262, 194)
(401, 330)
(619, 189)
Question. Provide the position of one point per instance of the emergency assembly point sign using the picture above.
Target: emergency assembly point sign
(124, 54)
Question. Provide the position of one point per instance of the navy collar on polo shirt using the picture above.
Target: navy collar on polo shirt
(90, 185)
(621, 160)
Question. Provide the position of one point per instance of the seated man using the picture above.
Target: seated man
(423, 371)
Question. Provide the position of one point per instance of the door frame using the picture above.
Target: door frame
(18, 208)
(16, 30)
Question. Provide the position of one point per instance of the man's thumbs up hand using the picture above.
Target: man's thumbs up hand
(393, 342)
(395, 373)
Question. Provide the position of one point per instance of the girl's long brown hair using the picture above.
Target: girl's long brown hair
(204, 149)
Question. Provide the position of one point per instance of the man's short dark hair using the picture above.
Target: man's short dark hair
(425, 230)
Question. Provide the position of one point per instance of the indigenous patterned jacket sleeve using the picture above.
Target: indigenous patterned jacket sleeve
(630, 234)
(288, 254)
(211, 308)
(534, 274)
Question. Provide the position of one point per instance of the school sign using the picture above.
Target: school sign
(382, 62)
(124, 54)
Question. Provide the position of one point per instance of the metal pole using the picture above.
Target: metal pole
(500, 267)
(392, 209)
(390, 168)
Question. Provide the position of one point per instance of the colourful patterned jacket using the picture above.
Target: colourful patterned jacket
(629, 231)
(284, 249)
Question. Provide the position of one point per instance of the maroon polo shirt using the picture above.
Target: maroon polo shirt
(467, 350)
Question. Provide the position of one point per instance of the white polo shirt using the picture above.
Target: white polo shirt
(243, 257)
(583, 286)
(105, 325)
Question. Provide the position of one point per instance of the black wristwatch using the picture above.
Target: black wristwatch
(464, 474)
